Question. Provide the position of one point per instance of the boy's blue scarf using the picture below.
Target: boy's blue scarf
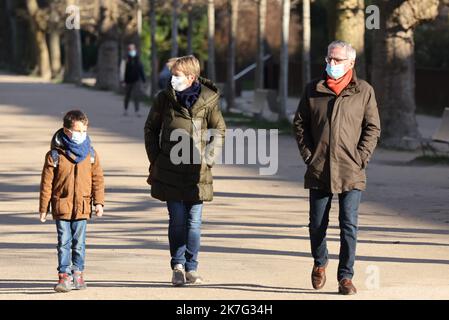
(189, 96)
(77, 152)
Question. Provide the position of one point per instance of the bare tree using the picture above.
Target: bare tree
(38, 22)
(174, 29)
(55, 26)
(108, 56)
(306, 27)
(10, 13)
(394, 67)
(154, 70)
(190, 19)
(211, 40)
(233, 20)
(350, 27)
(283, 76)
(262, 17)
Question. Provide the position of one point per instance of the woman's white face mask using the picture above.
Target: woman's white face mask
(179, 83)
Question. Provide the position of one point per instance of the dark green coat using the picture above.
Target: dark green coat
(192, 180)
(337, 135)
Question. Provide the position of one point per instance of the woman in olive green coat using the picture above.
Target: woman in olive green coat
(181, 157)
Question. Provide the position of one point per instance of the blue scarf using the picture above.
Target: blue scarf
(189, 96)
(77, 152)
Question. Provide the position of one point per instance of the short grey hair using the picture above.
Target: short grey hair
(350, 51)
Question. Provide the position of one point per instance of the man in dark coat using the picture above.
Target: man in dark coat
(337, 128)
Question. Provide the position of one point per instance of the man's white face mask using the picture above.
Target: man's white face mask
(179, 83)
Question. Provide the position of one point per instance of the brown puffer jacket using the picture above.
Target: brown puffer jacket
(70, 188)
(191, 181)
(337, 135)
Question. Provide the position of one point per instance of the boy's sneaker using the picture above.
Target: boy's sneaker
(78, 281)
(138, 115)
(125, 113)
(193, 277)
(178, 278)
(64, 283)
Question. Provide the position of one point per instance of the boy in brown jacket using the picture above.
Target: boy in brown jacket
(72, 179)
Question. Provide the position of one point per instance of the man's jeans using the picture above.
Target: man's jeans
(71, 235)
(320, 205)
(184, 233)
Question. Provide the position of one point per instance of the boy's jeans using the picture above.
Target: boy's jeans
(71, 235)
(184, 231)
(320, 205)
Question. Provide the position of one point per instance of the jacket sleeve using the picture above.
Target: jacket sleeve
(215, 121)
(301, 128)
(152, 129)
(46, 187)
(370, 129)
(97, 181)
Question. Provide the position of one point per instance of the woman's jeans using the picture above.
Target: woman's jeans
(71, 245)
(320, 205)
(184, 231)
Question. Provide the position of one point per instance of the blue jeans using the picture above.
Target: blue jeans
(71, 236)
(184, 232)
(320, 205)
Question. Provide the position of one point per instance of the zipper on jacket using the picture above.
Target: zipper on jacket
(75, 208)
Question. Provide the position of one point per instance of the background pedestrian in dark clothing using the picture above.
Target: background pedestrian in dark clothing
(134, 75)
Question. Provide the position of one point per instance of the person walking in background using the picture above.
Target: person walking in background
(189, 104)
(337, 128)
(133, 78)
(72, 179)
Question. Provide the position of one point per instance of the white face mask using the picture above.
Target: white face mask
(336, 71)
(179, 83)
(79, 137)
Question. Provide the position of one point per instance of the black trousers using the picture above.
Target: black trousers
(132, 91)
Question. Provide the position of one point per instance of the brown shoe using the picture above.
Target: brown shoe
(346, 287)
(318, 277)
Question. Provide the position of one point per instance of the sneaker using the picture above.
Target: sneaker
(78, 281)
(64, 283)
(178, 278)
(193, 277)
(138, 115)
(125, 113)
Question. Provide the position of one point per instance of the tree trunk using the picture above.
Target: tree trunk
(174, 29)
(261, 36)
(394, 68)
(55, 39)
(10, 13)
(38, 26)
(108, 51)
(55, 52)
(350, 27)
(306, 27)
(210, 40)
(73, 59)
(190, 27)
(154, 70)
(233, 20)
(283, 76)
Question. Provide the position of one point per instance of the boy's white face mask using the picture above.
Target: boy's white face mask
(79, 137)
(179, 83)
